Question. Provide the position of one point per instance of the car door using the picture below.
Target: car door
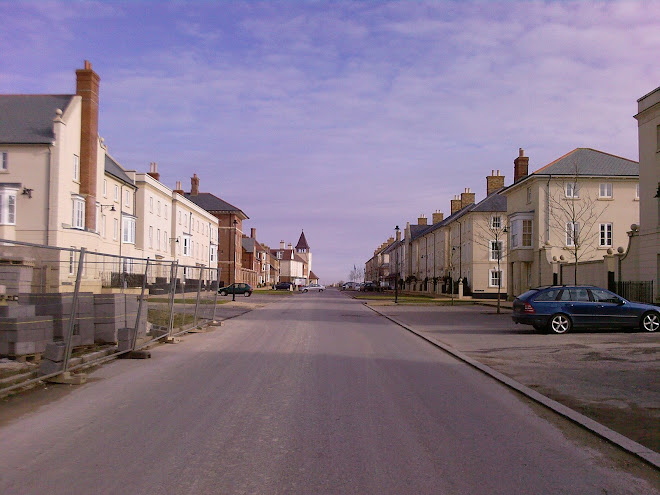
(608, 308)
(581, 307)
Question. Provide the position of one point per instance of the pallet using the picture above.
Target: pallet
(29, 358)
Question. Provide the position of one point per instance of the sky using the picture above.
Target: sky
(344, 119)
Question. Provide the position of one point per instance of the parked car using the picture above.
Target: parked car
(312, 287)
(370, 287)
(283, 286)
(244, 289)
(350, 286)
(558, 309)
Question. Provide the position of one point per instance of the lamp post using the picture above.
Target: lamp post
(396, 266)
(233, 241)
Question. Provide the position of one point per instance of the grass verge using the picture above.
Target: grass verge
(161, 317)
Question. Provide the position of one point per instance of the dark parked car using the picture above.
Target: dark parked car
(283, 286)
(244, 289)
(370, 287)
(558, 309)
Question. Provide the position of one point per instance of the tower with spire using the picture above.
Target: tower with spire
(303, 250)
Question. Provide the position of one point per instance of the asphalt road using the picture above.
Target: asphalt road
(311, 394)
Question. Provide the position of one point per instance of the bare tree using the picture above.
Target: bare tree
(491, 233)
(574, 211)
(356, 274)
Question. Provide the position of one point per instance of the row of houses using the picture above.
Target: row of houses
(61, 187)
(586, 217)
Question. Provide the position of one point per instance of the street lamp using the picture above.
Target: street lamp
(396, 275)
(233, 241)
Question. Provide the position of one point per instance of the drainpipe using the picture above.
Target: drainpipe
(50, 158)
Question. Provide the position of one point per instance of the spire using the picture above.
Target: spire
(302, 243)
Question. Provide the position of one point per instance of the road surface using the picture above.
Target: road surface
(313, 394)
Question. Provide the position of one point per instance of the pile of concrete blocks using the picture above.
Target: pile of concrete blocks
(59, 307)
(16, 275)
(53, 359)
(113, 312)
(22, 332)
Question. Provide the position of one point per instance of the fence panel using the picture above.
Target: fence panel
(636, 291)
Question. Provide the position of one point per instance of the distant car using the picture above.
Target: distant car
(350, 286)
(244, 289)
(370, 287)
(558, 309)
(283, 286)
(312, 287)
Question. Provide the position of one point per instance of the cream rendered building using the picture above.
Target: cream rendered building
(603, 187)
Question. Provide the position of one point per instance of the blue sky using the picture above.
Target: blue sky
(342, 118)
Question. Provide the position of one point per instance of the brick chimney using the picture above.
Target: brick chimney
(178, 189)
(194, 185)
(87, 87)
(437, 216)
(153, 170)
(421, 220)
(253, 233)
(494, 182)
(455, 204)
(467, 197)
(520, 166)
(398, 235)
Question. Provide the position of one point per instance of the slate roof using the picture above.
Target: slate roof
(114, 169)
(312, 275)
(492, 202)
(28, 119)
(210, 202)
(248, 243)
(302, 242)
(590, 162)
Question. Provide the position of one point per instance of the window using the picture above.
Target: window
(529, 194)
(185, 221)
(105, 188)
(165, 211)
(165, 240)
(158, 209)
(127, 198)
(547, 295)
(495, 249)
(605, 190)
(78, 216)
(186, 245)
(128, 230)
(515, 225)
(8, 206)
(572, 233)
(76, 167)
(495, 278)
(115, 229)
(151, 237)
(605, 296)
(527, 233)
(279, 255)
(151, 204)
(212, 254)
(572, 190)
(116, 193)
(72, 261)
(4, 161)
(158, 239)
(496, 222)
(606, 235)
(179, 218)
(580, 295)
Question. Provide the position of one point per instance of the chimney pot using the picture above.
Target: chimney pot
(520, 166)
(467, 198)
(494, 182)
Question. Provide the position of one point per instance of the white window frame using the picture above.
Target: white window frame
(115, 229)
(531, 232)
(165, 211)
(76, 168)
(158, 208)
(605, 237)
(158, 239)
(496, 222)
(116, 193)
(72, 261)
(493, 277)
(529, 195)
(78, 212)
(572, 231)
(151, 237)
(127, 198)
(151, 204)
(495, 254)
(572, 190)
(4, 161)
(8, 205)
(186, 245)
(605, 190)
(165, 241)
(128, 230)
(213, 253)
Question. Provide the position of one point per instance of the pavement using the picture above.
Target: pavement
(611, 377)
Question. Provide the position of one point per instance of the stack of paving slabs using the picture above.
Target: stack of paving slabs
(22, 332)
(113, 312)
(59, 306)
(53, 360)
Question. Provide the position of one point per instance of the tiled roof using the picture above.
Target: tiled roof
(28, 119)
(248, 243)
(312, 275)
(210, 202)
(493, 202)
(302, 242)
(114, 169)
(587, 161)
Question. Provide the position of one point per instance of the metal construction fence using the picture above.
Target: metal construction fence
(635, 290)
(58, 303)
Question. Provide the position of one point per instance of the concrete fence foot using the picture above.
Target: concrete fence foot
(172, 340)
(68, 379)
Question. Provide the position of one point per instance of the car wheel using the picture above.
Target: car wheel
(559, 323)
(320, 290)
(247, 294)
(304, 291)
(650, 321)
(223, 293)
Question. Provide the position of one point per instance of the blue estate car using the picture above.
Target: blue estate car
(558, 309)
